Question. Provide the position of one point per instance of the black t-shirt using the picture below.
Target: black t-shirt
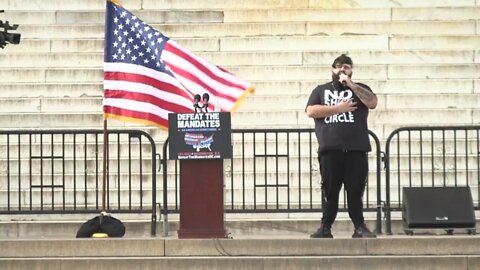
(343, 131)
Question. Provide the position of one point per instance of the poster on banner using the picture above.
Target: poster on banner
(200, 135)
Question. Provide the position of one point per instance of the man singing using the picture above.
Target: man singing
(340, 110)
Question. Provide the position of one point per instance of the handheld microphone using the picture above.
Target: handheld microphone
(343, 82)
(206, 98)
(196, 99)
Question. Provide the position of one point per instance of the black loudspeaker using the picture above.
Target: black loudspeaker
(438, 208)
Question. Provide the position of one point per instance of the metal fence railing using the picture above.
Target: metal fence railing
(60, 172)
(428, 157)
(272, 171)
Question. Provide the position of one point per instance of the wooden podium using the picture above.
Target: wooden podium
(201, 199)
(201, 141)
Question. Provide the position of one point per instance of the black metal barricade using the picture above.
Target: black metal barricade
(435, 156)
(273, 171)
(60, 172)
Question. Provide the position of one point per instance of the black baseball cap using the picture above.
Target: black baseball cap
(342, 59)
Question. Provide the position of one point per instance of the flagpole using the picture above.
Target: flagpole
(93, 227)
(105, 166)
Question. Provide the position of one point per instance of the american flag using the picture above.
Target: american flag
(147, 75)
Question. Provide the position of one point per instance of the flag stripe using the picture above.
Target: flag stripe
(199, 81)
(205, 67)
(135, 116)
(148, 90)
(133, 105)
(145, 71)
(168, 106)
(200, 85)
(164, 87)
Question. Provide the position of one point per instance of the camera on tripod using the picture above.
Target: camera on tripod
(5, 37)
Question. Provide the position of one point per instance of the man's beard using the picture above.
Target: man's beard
(335, 77)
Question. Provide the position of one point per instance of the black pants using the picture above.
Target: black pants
(349, 169)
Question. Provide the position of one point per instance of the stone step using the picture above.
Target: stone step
(64, 145)
(243, 119)
(425, 101)
(434, 42)
(225, 259)
(30, 17)
(50, 105)
(83, 17)
(238, 187)
(386, 102)
(447, 13)
(445, 143)
(55, 60)
(237, 179)
(454, 160)
(255, 44)
(239, 197)
(173, 31)
(246, 197)
(395, 57)
(51, 90)
(67, 178)
(65, 226)
(34, 197)
(311, 14)
(83, 120)
(251, 103)
(426, 178)
(292, 88)
(61, 5)
(409, 28)
(71, 248)
(278, 44)
(341, 4)
(426, 117)
(215, 30)
(229, 4)
(392, 86)
(445, 148)
(287, 58)
(455, 163)
(441, 145)
(67, 164)
(368, 42)
(253, 73)
(240, 225)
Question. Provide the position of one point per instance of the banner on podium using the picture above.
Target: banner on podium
(200, 135)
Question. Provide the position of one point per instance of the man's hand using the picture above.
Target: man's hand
(344, 79)
(320, 111)
(365, 96)
(346, 105)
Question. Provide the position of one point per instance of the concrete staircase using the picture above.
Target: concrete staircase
(408, 52)
(420, 57)
(279, 253)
